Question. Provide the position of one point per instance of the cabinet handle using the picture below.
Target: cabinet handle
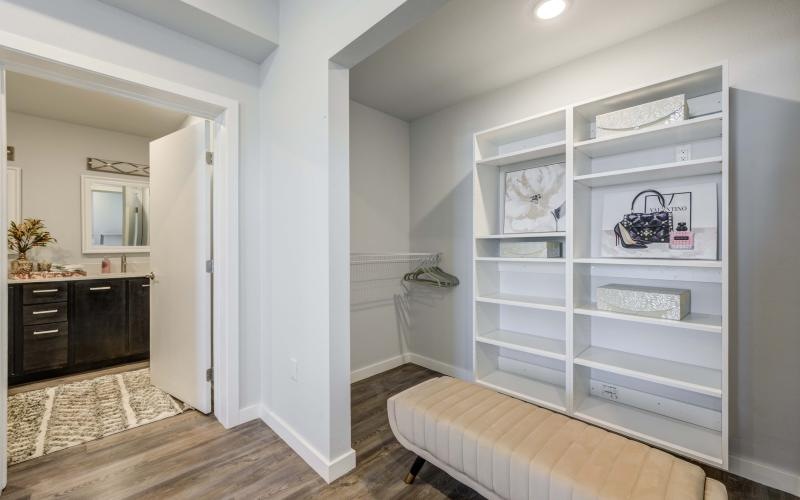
(98, 288)
(145, 286)
(49, 311)
(49, 290)
(43, 332)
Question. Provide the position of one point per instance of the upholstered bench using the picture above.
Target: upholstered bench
(506, 448)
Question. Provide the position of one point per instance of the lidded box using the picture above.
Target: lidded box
(530, 249)
(661, 112)
(654, 302)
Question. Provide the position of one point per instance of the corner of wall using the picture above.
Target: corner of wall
(329, 470)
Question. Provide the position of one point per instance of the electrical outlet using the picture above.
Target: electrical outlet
(605, 391)
(683, 152)
(293, 369)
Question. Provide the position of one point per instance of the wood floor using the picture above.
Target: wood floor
(193, 456)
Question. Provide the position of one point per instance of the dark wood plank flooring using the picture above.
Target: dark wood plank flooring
(193, 456)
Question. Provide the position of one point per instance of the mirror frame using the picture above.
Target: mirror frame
(87, 181)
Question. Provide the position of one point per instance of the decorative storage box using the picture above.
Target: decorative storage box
(530, 249)
(661, 112)
(654, 302)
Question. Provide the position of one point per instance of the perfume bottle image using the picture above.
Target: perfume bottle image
(681, 238)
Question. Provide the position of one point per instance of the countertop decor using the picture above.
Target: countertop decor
(43, 277)
(25, 236)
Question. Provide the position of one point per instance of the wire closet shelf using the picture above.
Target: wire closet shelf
(389, 266)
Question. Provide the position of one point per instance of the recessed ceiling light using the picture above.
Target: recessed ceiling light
(548, 9)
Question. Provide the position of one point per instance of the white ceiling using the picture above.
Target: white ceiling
(48, 99)
(472, 46)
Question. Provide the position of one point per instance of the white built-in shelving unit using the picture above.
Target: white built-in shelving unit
(539, 335)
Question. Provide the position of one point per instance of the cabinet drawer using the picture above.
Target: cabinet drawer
(45, 347)
(41, 293)
(44, 313)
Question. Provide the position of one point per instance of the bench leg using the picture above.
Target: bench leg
(415, 467)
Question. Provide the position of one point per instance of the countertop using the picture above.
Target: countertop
(80, 278)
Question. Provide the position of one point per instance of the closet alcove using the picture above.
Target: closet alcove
(537, 332)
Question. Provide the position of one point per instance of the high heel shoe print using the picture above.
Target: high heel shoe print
(625, 238)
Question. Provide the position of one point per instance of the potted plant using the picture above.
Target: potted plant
(23, 237)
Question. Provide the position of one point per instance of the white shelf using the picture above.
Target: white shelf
(524, 342)
(552, 234)
(675, 435)
(534, 153)
(542, 260)
(694, 321)
(526, 389)
(510, 299)
(693, 378)
(714, 264)
(548, 371)
(694, 129)
(678, 169)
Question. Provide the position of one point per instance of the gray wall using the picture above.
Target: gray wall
(761, 41)
(379, 212)
(52, 155)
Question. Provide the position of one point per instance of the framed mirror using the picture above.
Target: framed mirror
(115, 215)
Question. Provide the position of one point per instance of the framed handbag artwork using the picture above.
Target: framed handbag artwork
(676, 223)
(535, 200)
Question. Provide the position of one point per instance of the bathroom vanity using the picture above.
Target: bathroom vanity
(62, 326)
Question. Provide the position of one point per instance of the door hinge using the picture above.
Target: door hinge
(210, 266)
(10, 153)
(209, 374)
(209, 158)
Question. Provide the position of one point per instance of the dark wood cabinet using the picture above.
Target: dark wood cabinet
(138, 316)
(44, 347)
(63, 327)
(13, 317)
(99, 326)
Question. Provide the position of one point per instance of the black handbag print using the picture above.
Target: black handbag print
(638, 229)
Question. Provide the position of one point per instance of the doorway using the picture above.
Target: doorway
(222, 111)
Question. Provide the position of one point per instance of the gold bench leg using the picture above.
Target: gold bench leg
(415, 467)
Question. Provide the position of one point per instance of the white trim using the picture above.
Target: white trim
(3, 289)
(409, 357)
(439, 366)
(328, 470)
(26, 55)
(249, 413)
(765, 474)
(375, 368)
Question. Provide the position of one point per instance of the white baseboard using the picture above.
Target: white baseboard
(329, 470)
(438, 366)
(765, 474)
(410, 357)
(376, 368)
(249, 413)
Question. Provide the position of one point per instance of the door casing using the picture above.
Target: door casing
(28, 56)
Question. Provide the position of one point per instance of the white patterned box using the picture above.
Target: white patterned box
(654, 302)
(661, 112)
(530, 249)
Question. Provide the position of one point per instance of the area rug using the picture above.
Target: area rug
(48, 420)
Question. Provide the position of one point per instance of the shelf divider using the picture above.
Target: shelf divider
(694, 321)
(694, 129)
(533, 344)
(650, 173)
(693, 378)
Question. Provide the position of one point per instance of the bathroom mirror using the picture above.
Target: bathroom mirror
(115, 215)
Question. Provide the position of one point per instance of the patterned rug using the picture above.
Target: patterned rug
(48, 420)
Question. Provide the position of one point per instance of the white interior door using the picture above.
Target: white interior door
(180, 246)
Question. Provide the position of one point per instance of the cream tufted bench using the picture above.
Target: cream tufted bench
(505, 448)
